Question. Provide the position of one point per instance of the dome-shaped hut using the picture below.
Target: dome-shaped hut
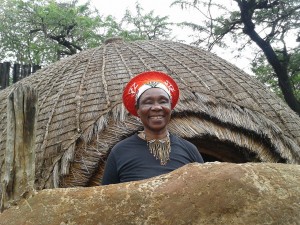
(227, 114)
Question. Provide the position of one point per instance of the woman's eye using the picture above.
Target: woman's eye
(147, 102)
(151, 101)
(163, 101)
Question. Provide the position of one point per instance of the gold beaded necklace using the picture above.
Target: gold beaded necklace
(159, 148)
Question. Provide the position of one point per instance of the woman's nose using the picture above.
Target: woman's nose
(156, 106)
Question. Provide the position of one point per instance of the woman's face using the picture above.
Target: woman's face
(154, 110)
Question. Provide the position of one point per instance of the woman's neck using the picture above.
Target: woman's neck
(156, 135)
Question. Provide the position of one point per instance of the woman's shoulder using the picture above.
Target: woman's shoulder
(178, 139)
(128, 141)
(175, 137)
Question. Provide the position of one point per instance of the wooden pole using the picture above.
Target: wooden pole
(4, 74)
(6, 67)
(22, 71)
(1, 76)
(27, 70)
(16, 72)
(35, 68)
(19, 164)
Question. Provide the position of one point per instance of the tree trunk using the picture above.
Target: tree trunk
(279, 69)
(19, 160)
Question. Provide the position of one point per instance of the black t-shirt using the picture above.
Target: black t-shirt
(131, 160)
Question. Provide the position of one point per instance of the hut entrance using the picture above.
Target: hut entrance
(212, 150)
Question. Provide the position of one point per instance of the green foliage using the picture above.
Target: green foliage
(215, 21)
(265, 73)
(294, 67)
(40, 32)
(145, 26)
(43, 31)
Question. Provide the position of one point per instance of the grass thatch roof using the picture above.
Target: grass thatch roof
(228, 114)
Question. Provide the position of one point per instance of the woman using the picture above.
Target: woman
(154, 151)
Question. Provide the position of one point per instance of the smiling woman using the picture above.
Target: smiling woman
(154, 151)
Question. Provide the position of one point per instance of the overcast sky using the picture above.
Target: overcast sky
(117, 8)
(160, 7)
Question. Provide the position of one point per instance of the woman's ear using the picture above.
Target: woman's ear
(137, 110)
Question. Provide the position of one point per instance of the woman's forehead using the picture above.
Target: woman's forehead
(155, 92)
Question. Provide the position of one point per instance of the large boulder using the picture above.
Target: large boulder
(211, 193)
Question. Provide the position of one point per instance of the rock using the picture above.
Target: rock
(211, 193)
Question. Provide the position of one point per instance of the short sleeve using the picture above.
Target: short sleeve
(196, 155)
(193, 151)
(110, 175)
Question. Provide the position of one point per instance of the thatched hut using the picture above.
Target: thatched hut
(227, 114)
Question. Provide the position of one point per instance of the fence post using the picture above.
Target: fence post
(16, 72)
(1, 75)
(22, 71)
(35, 68)
(4, 74)
(27, 70)
(19, 160)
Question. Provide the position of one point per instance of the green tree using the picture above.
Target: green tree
(268, 23)
(265, 73)
(145, 26)
(42, 31)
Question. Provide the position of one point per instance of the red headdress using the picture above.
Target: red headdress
(142, 82)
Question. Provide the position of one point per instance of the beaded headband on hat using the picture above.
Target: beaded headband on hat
(149, 85)
(144, 81)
